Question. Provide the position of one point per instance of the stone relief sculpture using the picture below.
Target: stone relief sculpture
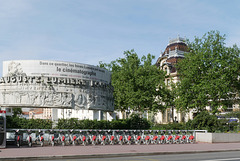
(58, 96)
(32, 97)
(66, 99)
(41, 99)
(49, 98)
(57, 99)
(91, 100)
(15, 69)
(80, 100)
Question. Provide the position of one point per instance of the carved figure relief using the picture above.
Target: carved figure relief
(15, 69)
(66, 99)
(41, 99)
(58, 96)
(80, 100)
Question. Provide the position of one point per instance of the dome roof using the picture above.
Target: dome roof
(175, 45)
(175, 50)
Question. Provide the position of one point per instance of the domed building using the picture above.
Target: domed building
(173, 53)
(167, 61)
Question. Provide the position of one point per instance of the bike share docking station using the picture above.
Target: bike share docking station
(55, 137)
(2, 129)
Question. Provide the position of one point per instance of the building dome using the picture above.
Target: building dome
(175, 50)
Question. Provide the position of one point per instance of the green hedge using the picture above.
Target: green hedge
(132, 123)
(22, 123)
(203, 121)
(170, 126)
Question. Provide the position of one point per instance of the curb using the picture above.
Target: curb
(56, 157)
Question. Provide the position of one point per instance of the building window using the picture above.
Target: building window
(166, 69)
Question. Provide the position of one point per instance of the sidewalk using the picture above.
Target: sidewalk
(79, 152)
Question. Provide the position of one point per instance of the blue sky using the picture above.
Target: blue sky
(89, 31)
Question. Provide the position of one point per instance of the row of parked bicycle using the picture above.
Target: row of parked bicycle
(102, 137)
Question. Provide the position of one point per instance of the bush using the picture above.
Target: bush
(135, 122)
(118, 124)
(205, 121)
(170, 126)
(22, 123)
(233, 114)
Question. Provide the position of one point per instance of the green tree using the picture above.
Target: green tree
(16, 111)
(22, 123)
(234, 114)
(135, 82)
(209, 74)
(170, 96)
(205, 121)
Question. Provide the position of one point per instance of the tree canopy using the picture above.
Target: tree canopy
(17, 111)
(135, 81)
(209, 74)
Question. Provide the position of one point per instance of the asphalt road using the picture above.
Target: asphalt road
(212, 156)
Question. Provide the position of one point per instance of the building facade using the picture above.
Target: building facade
(167, 61)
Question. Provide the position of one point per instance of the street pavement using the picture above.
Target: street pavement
(81, 152)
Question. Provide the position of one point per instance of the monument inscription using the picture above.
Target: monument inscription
(54, 84)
